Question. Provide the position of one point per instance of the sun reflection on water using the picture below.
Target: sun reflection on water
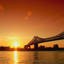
(15, 57)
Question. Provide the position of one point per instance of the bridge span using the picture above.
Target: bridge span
(36, 40)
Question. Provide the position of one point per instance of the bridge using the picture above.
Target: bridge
(36, 40)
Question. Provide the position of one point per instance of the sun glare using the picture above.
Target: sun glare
(16, 45)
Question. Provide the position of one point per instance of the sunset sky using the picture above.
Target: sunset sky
(20, 20)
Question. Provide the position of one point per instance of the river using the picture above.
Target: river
(31, 57)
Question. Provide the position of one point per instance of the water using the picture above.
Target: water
(32, 57)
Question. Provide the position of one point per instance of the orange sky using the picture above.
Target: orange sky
(20, 20)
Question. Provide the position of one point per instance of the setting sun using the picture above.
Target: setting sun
(16, 45)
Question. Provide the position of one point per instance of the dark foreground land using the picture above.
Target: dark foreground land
(30, 49)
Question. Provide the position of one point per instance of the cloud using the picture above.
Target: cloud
(28, 15)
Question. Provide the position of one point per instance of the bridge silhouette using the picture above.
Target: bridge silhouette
(36, 40)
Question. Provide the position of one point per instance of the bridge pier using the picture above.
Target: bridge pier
(27, 47)
(36, 46)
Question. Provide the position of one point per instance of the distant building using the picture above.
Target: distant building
(56, 46)
(42, 47)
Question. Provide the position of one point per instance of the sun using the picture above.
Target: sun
(16, 45)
